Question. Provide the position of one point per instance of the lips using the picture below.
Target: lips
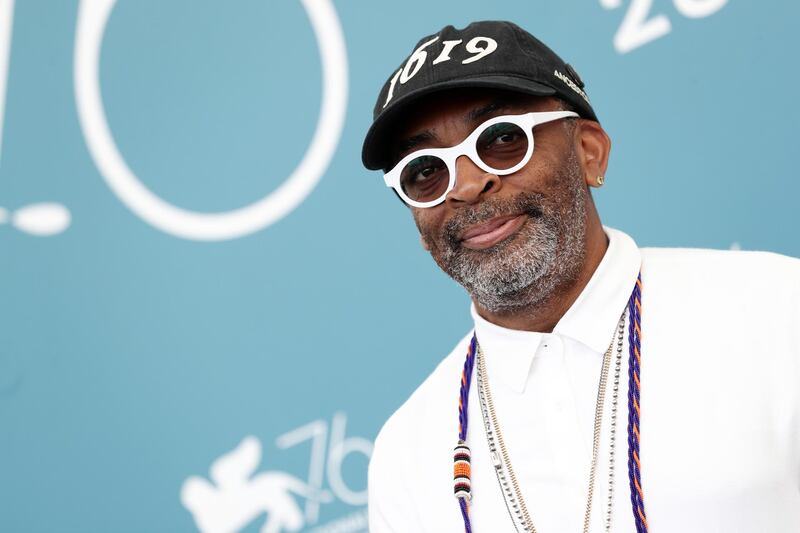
(491, 232)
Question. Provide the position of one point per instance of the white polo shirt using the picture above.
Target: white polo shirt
(720, 406)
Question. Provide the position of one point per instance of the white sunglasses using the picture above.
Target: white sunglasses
(500, 146)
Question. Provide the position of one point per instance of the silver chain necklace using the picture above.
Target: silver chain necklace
(509, 486)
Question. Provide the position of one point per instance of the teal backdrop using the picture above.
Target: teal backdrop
(209, 307)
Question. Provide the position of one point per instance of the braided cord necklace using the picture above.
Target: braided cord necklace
(634, 386)
(516, 507)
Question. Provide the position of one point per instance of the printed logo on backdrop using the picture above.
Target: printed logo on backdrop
(237, 493)
(92, 18)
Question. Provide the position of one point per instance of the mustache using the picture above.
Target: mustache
(530, 204)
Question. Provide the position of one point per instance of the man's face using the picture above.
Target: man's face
(511, 241)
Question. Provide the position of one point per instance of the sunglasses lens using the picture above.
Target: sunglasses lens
(502, 145)
(425, 178)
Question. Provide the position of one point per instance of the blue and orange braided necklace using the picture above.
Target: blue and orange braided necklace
(462, 457)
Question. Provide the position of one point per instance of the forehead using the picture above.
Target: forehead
(460, 111)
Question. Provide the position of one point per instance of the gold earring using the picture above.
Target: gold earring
(600, 181)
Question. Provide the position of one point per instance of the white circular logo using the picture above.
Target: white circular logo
(92, 18)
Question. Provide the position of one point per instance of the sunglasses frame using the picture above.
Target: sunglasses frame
(468, 147)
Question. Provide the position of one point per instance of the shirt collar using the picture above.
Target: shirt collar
(591, 320)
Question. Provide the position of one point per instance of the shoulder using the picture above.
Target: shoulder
(432, 408)
(413, 450)
(739, 297)
(441, 385)
(749, 272)
(704, 257)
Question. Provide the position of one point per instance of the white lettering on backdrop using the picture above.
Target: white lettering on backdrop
(637, 29)
(42, 218)
(92, 18)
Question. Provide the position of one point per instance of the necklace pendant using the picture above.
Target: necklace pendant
(462, 471)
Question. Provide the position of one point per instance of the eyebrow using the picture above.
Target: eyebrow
(413, 141)
(427, 136)
(477, 114)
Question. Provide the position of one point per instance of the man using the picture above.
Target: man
(604, 387)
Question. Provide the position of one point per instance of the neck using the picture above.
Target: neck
(544, 316)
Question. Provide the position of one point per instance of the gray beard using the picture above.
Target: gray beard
(527, 269)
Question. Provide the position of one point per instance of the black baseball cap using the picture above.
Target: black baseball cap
(491, 54)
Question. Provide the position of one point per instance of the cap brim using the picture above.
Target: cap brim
(376, 150)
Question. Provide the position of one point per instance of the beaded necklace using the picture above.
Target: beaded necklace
(462, 456)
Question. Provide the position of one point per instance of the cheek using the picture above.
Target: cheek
(428, 225)
(546, 171)
(425, 221)
(539, 178)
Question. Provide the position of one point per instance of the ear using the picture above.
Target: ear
(594, 147)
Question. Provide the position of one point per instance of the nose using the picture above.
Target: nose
(472, 183)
